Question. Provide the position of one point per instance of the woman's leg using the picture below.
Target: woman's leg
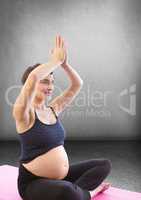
(89, 174)
(81, 177)
(54, 189)
(32, 187)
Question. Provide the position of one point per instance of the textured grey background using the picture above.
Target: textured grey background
(103, 40)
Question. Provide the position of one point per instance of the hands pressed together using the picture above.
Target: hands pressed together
(59, 53)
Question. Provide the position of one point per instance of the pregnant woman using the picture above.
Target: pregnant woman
(44, 169)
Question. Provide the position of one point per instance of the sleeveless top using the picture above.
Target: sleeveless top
(40, 138)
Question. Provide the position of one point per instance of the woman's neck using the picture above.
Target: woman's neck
(40, 106)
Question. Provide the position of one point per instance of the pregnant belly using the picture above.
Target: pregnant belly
(53, 164)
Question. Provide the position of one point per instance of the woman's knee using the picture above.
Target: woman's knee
(107, 164)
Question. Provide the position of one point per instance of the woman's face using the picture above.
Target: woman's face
(46, 85)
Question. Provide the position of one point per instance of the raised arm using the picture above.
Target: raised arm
(68, 95)
(23, 102)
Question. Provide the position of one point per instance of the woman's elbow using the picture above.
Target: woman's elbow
(79, 83)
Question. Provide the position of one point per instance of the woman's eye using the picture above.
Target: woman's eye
(46, 81)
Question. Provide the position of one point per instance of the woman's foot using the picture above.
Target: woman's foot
(101, 188)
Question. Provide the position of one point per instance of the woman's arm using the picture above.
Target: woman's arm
(60, 102)
(23, 102)
(72, 75)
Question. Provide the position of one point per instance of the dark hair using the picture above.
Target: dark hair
(27, 72)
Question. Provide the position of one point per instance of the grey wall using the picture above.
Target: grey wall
(103, 40)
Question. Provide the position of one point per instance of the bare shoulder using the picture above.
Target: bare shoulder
(54, 109)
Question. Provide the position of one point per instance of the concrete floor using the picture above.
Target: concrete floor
(124, 155)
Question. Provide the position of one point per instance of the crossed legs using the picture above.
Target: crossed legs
(82, 176)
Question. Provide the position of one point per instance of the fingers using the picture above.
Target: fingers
(59, 42)
(62, 43)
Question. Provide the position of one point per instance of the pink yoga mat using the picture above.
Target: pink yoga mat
(9, 191)
(114, 193)
(8, 183)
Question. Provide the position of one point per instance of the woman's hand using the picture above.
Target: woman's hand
(57, 54)
(65, 60)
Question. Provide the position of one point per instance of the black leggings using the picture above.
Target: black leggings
(82, 176)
